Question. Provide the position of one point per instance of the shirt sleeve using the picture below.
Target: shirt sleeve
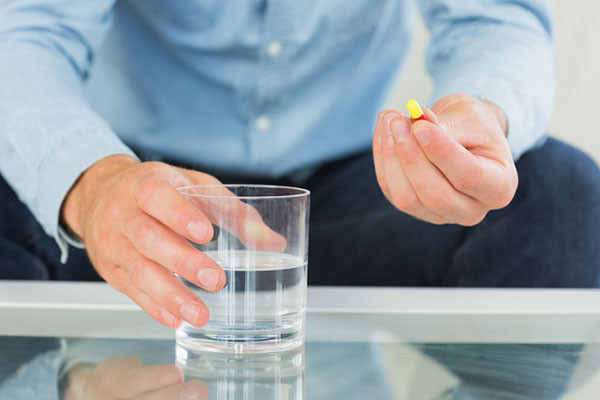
(500, 51)
(48, 133)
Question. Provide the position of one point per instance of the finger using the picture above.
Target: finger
(223, 209)
(133, 380)
(431, 187)
(159, 285)
(121, 282)
(430, 116)
(458, 165)
(188, 390)
(479, 177)
(242, 220)
(378, 153)
(107, 378)
(152, 377)
(158, 243)
(162, 201)
(401, 192)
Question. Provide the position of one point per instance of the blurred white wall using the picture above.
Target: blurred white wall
(577, 35)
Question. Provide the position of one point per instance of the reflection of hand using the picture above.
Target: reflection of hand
(135, 224)
(128, 378)
(452, 168)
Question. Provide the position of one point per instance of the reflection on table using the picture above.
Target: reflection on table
(246, 376)
(52, 368)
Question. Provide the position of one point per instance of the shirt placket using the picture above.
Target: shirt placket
(272, 68)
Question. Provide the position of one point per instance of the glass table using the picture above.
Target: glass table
(87, 341)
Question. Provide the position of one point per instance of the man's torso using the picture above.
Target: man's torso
(261, 87)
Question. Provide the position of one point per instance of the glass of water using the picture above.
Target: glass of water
(261, 242)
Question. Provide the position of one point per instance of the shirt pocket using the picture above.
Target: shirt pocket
(188, 15)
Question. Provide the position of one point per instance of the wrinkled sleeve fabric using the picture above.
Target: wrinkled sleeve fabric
(498, 50)
(48, 133)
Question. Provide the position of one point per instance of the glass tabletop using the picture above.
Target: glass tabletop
(86, 341)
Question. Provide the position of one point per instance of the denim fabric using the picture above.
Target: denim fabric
(547, 237)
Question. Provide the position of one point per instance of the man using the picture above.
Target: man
(287, 92)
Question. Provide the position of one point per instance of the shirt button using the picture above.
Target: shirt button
(263, 123)
(274, 48)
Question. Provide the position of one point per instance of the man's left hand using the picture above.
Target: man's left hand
(452, 168)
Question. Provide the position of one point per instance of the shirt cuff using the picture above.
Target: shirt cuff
(526, 127)
(61, 168)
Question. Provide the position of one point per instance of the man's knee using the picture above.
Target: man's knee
(560, 179)
(558, 202)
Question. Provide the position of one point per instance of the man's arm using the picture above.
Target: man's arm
(498, 51)
(48, 134)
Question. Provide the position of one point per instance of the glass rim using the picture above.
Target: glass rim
(301, 192)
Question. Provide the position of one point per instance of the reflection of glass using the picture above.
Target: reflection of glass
(246, 376)
(261, 241)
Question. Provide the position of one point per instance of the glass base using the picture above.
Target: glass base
(249, 376)
(216, 343)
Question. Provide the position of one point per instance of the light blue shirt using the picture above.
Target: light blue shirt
(264, 87)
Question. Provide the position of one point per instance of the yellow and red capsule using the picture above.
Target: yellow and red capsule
(415, 110)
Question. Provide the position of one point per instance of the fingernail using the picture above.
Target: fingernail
(208, 277)
(387, 119)
(400, 129)
(423, 135)
(197, 230)
(189, 392)
(168, 317)
(190, 312)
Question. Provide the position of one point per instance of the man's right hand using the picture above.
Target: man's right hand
(128, 378)
(135, 224)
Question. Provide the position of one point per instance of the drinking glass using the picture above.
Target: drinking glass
(261, 242)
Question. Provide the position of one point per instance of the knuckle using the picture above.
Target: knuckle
(475, 111)
(403, 199)
(474, 219)
(441, 152)
(155, 167)
(146, 235)
(113, 207)
(503, 199)
(436, 202)
(469, 181)
(405, 203)
(382, 184)
(410, 159)
(151, 170)
(208, 179)
(504, 196)
(179, 263)
(147, 191)
(137, 270)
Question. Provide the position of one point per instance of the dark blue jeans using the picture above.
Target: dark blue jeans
(547, 237)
